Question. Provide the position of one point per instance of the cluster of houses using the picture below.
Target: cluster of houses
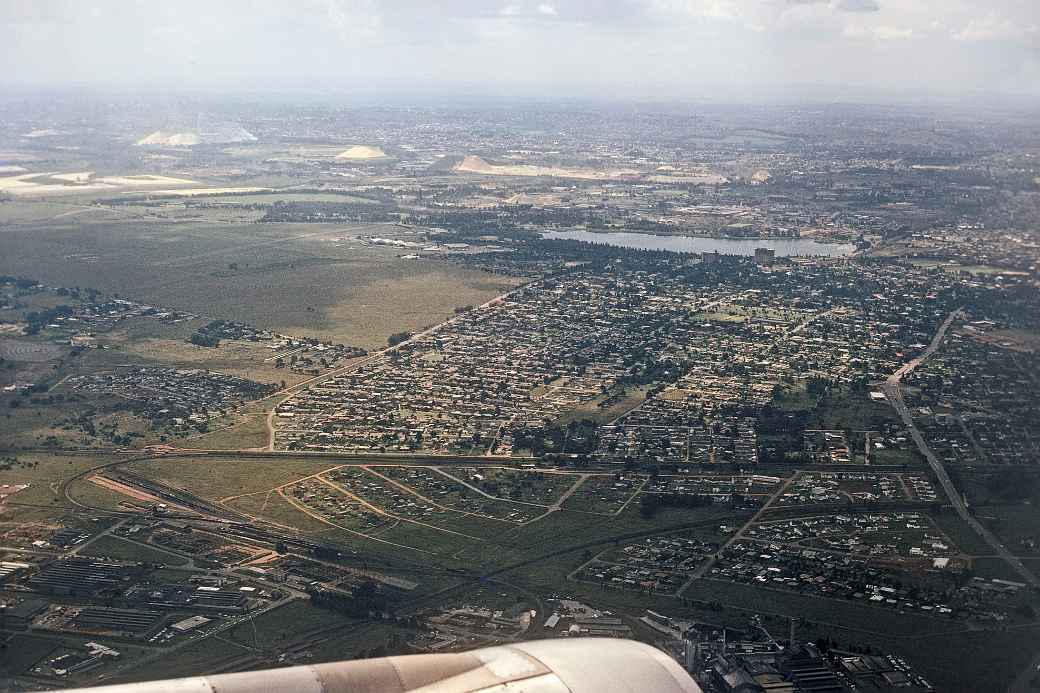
(720, 488)
(904, 534)
(977, 402)
(657, 564)
(303, 355)
(179, 396)
(894, 560)
(669, 431)
(855, 487)
(390, 494)
(329, 502)
(583, 339)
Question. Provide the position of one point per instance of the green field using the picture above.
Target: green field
(215, 478)
(1014, 524)
(113, 547)
(272, 629)
(869, 619)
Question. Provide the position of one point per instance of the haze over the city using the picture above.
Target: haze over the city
(652, 49)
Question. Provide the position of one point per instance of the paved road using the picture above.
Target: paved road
(894, 393)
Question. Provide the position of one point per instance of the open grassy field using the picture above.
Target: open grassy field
(113, 547)
(206, 656)
(310, 279)
(245, 484)
(956, 660)
(1014, 524)
(45, 473)
(154, 342)
(246, 429)
(966, 539)
(869, 619)
(215, 478)
(272, 628)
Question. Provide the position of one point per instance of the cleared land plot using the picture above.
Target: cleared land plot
(608, 407)
(31, 352)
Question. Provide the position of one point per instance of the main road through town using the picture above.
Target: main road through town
(894, 393)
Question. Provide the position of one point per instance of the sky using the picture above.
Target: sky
(612, 49)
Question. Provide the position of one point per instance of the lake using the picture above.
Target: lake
(785, 247)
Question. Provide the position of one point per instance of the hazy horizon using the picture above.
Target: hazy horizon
(658, 50)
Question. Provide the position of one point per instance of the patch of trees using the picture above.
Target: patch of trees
(363, 601)
(577, 437)
(653, 502)
(398, 337)
(38, 319)
(203, 339)
(300, 212)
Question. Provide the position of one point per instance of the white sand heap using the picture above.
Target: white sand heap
(476, 164)
(362, 152)
(161, 138)
(220, 134)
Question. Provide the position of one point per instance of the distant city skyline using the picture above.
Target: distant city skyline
(621, 49)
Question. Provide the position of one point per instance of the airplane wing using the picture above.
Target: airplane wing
(579, 665)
